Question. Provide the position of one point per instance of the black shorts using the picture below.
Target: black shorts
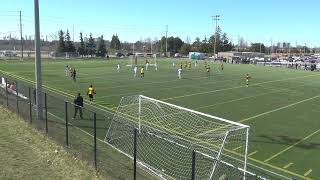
(91, 96)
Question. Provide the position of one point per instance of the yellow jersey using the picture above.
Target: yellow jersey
(142, 71)
(90, 90)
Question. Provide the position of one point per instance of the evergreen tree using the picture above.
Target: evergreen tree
(101, 48)
(185, 49)
(61, 45)
(226, 44)
(91, 46)
(115, 42)
(69, 47)
(82, 47)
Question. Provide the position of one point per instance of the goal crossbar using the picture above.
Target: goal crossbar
(196, 112)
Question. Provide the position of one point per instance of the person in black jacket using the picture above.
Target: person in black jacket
(74, 74)
(78, 105)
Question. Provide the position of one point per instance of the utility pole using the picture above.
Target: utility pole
(305, 46)
(151, 46)
(215, 18)
(166, 40)
(38, 62)
(21, 40)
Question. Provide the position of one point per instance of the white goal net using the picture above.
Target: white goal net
(178, 143)
(145, 60)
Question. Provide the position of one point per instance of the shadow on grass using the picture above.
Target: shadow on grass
(286, 140)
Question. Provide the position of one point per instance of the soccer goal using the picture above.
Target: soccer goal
(146, 60)
(174, 142)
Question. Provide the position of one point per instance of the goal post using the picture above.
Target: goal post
(169, 135)
(146, 60)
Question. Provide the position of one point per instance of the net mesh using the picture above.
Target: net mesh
(168, 135)
(146, 61)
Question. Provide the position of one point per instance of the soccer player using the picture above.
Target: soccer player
(248, 77)
(70, 72)
(189, 65)
(196, 64)
(156, 66)
(90, 93)
(147, 64)
(142, 72)
(173, 65)
(118, 68)
(185, 65)
(208, 70)
(74, 74)
(135, 69)
(180, 73)
(222, 66)
(66, 70)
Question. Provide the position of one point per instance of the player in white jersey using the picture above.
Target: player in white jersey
(118, 67)
(66, 70)
(135, 69)
(180, 73)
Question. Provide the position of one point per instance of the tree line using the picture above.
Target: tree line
(99, 47)
(84, 48)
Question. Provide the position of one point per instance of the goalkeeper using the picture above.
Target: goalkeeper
(90, 93)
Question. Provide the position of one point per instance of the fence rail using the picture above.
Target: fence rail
(85, 135)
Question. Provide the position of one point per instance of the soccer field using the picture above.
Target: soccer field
(281, 106)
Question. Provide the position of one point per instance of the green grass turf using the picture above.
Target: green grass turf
(27, 154)
(281, 105)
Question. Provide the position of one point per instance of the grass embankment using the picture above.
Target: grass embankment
(28, 154)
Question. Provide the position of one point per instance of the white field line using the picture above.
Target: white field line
(237, 87)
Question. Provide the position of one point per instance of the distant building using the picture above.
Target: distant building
(196, 55)
(283, 45)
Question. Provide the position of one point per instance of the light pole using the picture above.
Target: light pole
(38, 62)
(216, 18)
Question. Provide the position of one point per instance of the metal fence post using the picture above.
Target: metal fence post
(135, 155)
(46, 111)
(193, 165)
(66, 118)
(7, 94)
(30, 105)
(17, 97)
(95, 139)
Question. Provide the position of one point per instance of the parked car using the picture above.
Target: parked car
(129, 54)
(177, 55)
(118, 54)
